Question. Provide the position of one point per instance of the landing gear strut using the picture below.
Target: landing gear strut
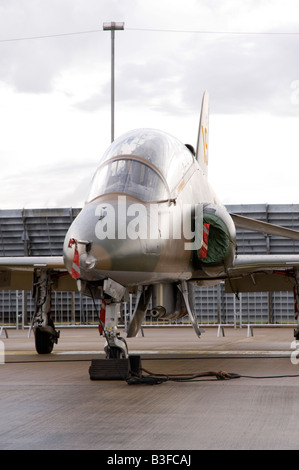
(296, 307)
(44, 331)
(115, 347)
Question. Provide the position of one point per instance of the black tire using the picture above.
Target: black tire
(43, 342)
(113, 353)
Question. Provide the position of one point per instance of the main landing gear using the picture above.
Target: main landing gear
(42, 324)
(296, 307)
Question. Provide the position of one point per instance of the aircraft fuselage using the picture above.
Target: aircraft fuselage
(143, 224)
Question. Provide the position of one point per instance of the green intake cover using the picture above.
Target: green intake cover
(219, 240)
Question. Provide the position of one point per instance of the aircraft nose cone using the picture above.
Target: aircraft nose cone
(112, 235)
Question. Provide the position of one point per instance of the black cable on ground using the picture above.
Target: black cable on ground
(154, 379)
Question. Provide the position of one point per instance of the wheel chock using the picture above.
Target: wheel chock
(115, 369)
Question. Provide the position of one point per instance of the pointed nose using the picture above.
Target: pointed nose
(112, 236)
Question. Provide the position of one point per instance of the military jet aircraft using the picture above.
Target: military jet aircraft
(152, 226)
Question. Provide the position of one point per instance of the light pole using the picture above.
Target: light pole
(113, 26)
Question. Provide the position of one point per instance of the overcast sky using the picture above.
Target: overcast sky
(55, 92)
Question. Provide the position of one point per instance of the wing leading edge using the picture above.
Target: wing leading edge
(17, 273)
(264, 227)
(32, 262)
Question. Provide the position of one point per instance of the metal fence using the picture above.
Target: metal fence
(41, 232)
(212, 305)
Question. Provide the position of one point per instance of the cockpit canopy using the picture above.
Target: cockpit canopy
(144, 163)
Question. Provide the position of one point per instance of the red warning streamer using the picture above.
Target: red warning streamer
(102, 317)
(76, 261)
(205, 240)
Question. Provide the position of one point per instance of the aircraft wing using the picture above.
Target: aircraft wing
(17, 273)
(263, 273)
(31, 262)
(264, 227)
(258, 273)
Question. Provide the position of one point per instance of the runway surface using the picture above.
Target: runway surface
(49, 402)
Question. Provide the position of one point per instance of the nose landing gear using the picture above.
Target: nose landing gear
(118, 365)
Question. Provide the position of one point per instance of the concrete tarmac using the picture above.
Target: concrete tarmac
(49, 402)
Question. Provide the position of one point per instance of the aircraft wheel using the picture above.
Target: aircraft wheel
(43, 342)
(114, 353)
(118, 352)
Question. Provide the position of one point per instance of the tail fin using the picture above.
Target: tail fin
(202, 149)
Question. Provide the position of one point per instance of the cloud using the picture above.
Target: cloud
(243, 72)
(59, 185)
(32, 65)
(93, 103)
(55, 92)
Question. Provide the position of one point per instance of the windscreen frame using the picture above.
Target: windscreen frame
(134, 158)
